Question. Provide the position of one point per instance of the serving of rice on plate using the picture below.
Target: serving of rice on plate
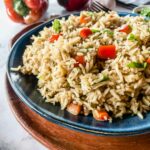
(94, 63)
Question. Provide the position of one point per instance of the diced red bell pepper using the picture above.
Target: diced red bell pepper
(148, 60)
(54, 38)
(79, 60)
(74, 109)
(107, 52)
(84, 19)
(126, 28)
(101, 115)
(84, 33)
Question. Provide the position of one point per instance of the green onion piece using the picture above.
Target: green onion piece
(137, 65)
(145, 64)
(90, 13)
(20, 8)
(108, 31)
(132, 37)
(56, 25)
(40, 77)
(89, 48)
(95, 30)
(145, 12)
(104, 78)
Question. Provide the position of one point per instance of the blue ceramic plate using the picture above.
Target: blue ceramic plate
(25, 87)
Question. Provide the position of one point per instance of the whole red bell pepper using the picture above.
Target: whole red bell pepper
(26, 11)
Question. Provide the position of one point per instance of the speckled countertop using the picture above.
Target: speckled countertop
(12, 135)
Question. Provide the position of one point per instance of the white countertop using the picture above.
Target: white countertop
(12, 135)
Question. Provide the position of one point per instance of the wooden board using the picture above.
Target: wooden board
(55, 137)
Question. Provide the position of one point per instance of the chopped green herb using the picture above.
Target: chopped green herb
(145, 12)
(104, 78)
(56, 25)
(132, 37)
(95, 30)
(40, 77)
(145, 64)
(137, 65)
(104, 31)
(108, 31)
(90, 13)
(90, 46)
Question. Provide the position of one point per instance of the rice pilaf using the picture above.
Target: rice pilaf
(95, 63)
